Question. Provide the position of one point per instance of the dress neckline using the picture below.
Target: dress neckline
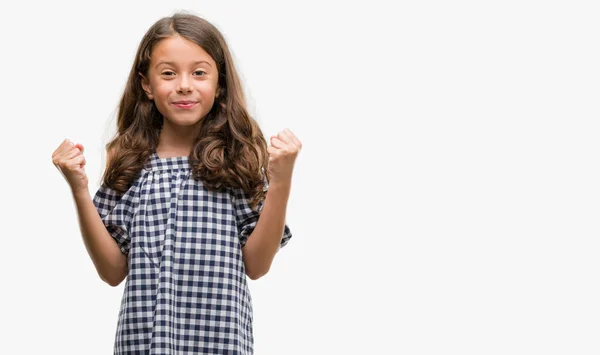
(176, 156)
(156, 163)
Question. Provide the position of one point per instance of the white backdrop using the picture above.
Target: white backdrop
(446, 199)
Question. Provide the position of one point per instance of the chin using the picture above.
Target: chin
(184, 120)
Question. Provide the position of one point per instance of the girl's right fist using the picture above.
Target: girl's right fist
(68, 159)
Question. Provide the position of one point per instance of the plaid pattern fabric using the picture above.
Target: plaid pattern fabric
(186, 291)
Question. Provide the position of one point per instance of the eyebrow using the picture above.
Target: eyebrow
(173, 64)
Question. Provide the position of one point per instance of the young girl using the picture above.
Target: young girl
(187, 177)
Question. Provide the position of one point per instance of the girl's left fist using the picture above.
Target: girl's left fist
(283, 151)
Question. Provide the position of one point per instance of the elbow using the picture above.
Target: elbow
(114, 282)
(256, 264)
(114, 277)
(256, 274)
(255, 277)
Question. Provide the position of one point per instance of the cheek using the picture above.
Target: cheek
(163, 90)
(162, 95)
(208, 92)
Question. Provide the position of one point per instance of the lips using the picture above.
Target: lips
(185, 104)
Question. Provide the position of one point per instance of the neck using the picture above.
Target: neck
(176, 140)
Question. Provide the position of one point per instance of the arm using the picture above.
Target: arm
(110, 262)
(263, 243)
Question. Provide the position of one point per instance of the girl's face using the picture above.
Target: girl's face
(182, 80)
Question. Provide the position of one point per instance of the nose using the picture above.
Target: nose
(184, 85)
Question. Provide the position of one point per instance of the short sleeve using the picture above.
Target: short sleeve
(247, 218)
(116, 214)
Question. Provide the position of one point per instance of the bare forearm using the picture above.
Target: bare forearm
(263, 243)
(110, 262)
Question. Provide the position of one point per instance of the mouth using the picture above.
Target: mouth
(184, 104)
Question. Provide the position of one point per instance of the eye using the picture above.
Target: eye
(200, 72)
(167, 73)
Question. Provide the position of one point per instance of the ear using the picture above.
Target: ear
(146, 86)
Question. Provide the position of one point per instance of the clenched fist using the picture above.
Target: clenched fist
(282, 155)
(68, 159)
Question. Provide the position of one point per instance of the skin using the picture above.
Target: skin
(263, 243)
(180, 70)
(108, 260)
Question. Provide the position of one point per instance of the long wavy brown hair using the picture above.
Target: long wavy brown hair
(230, 150)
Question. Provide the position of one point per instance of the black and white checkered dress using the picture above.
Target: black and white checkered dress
(186, 291)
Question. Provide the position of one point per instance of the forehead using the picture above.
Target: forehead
(179, 51)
